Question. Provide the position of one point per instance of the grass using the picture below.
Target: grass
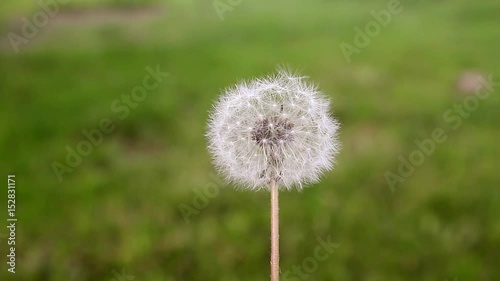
(119, 209)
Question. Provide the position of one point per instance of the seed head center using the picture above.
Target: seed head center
(273, 131)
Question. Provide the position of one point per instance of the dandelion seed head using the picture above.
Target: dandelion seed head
(277, 128)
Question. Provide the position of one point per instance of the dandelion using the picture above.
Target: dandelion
(273, 133)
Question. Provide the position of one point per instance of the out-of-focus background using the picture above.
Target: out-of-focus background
(103, 109)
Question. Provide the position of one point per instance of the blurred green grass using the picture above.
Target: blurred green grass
(120, 207)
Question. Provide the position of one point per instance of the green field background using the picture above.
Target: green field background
(119, 210)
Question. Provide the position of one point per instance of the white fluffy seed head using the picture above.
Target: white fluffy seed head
(276, 128)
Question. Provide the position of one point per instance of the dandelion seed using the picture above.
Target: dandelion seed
(293, 125)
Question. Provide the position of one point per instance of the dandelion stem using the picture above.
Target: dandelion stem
(275, 236)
